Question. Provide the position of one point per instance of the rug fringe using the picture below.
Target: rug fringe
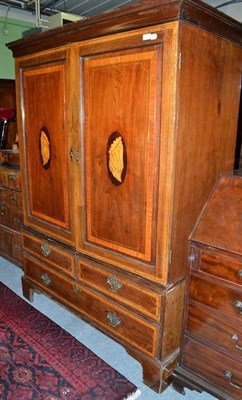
(133, 396)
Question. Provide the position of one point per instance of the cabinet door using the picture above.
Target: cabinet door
(122, 143)
(46, 147)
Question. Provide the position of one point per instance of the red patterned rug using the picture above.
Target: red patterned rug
(39, 360)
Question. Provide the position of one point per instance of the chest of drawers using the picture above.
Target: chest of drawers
(212, 346)
(11, 208)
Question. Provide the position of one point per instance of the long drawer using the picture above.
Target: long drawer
(51, 253)
(11, 244)
(11, 217)
(11, 198)
(221, 298)
(137, 297)
(215, 328)
(116, 320)
(10, 178)
(217, 368)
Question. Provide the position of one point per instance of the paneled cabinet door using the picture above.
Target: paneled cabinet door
(46, 130)
(122, 142)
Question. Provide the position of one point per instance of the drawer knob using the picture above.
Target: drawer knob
(76, 289)
(229, 377)
(12, 177)
(46, 279)
(17, 247)
(240, 273)
(113, 319)
(238, 304)
(45, 250)
(113, 284)
(235, 338)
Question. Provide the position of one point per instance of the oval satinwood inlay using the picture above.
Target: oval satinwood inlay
(116, 158)
(44, 142)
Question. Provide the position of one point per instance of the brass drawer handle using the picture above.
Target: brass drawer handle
(235, 338)
(46, 279)
(113, 284)
(113, 319)
(45, 250)
(238, 304)
(13, 197)
(76, 289)
(2, 211)
(229, 377)
(12, 177)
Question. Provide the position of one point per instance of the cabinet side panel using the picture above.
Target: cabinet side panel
(209, 93)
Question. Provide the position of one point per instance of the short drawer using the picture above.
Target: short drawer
(11, 244)
(9, 156)
(10, 178)
(11, 198)
(218, 297)
(51, 253)
(11, 217)
(222, 371)
(221, 266)
(114, 319)
(117, 287)
(215, 328)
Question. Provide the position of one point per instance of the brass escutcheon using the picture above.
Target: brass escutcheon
(113, 284)
(46, 279)
(45, 250)
(113, 319)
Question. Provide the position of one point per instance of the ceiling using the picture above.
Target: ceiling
(84, 8)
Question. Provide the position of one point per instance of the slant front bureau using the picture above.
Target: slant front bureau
(212, 346)
(125, 119)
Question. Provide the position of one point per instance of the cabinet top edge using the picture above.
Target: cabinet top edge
(146, 13)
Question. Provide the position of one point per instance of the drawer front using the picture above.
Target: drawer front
(11, 217)
(114, 319)
(11, 244)
(213, 327)
(53, 254)
(223, 267)
(226, 300)
(125, 292)
(11, 198)
(10, 179)
(219, 369)
(9, 156)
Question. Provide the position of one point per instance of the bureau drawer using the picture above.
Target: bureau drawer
(223, 267)
(220, 370)
(11, 217)
(10, 178)
(126, 292)
(114, 319)
(226, 300)
(11, 198)
(53, 254)
(213, 327)
(11, 244)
